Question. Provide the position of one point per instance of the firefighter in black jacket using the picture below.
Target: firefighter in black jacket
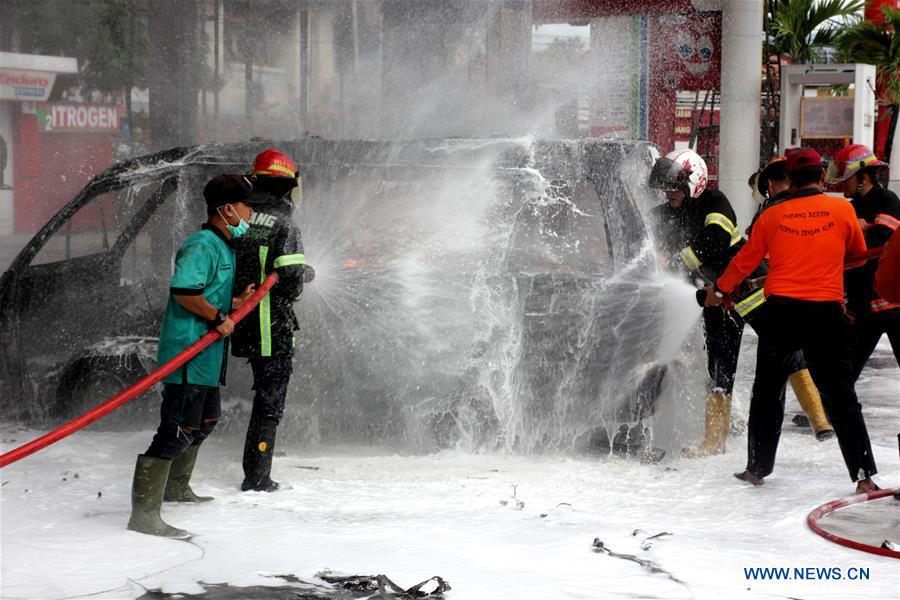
(878, 210)
(696, 232)
(266, 336)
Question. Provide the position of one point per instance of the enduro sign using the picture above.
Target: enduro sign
(18, 84)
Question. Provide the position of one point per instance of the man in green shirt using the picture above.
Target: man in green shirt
(200, 296)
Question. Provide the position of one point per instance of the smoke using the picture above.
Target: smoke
(395, 69)
(471, 293)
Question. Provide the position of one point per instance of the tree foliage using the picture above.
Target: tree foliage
(108, 37)
(802, 28)
(876, 44)
(879, 45)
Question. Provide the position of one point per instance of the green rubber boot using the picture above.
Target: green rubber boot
(150, 475)
(178, 488)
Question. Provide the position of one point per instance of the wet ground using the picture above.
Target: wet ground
(494, 525)
(325, 586)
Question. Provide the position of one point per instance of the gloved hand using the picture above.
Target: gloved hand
(701, 298)
(710, 297)
(308, 273)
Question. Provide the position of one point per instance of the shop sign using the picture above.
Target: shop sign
(77, 118)
(826, 118)
(19, 84)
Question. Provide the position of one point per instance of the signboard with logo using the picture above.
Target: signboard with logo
(59, 117)
(826, 118)
(685, 54)
(686, 51)
(20, 84)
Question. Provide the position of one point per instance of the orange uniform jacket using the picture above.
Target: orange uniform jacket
(806, 238)
(887, 277)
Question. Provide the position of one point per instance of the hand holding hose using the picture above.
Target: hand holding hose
(712, 299)
(238, 301)
(226, 327)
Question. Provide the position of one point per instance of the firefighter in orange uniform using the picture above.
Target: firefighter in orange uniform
(806, 237)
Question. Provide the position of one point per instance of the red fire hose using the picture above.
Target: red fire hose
(138, 388)
(813, 521)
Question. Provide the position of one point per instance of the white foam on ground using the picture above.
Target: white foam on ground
(412, 517)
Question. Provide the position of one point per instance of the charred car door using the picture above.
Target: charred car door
(78, 282)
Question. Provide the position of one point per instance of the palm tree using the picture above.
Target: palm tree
(879, 45)
(801, 28)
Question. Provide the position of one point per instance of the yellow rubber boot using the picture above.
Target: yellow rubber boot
(718, 420)
(811, 403)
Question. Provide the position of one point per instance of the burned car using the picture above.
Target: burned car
(470, 293)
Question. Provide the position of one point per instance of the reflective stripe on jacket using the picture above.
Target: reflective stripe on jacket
(880, 210)
(701, 233)
(272, 242)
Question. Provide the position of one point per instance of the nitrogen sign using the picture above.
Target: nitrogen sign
(77, 118)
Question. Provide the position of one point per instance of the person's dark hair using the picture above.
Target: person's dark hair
(779, 176)
(774, 171)
(803, 177)
(874, 174)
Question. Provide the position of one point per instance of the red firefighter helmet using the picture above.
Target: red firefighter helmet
(274, 173)
(849, 161)
(272, 163)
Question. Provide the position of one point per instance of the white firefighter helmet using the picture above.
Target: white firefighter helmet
(680, 169)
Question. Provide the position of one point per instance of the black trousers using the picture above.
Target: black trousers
(820, 330)
(723, 331)
(271, 376)
(760, 323)
(188, 415)
(866, 332)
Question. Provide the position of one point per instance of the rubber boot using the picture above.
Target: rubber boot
(258, 450)
(150, 475)
(718, 420)
(811, 403)
(178, 487)
(620, 441)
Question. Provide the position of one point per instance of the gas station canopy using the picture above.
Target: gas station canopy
(30, 77)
